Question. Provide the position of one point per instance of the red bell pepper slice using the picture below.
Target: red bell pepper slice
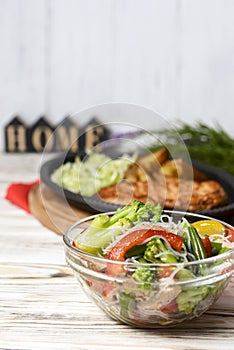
(138, 237)
(207, 246)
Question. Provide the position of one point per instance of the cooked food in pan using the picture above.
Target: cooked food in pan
(152, 178)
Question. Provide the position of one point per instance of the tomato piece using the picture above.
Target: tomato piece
(230, 234)
(138, 237)
(207, 246)
(165, 271)
(170, 308)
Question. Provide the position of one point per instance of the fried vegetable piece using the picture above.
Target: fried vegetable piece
(154, 160)
(135, 173)
(181, 169)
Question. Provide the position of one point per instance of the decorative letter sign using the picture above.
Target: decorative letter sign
(16, 136)
(43, 136)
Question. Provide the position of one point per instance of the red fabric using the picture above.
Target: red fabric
(17, 193)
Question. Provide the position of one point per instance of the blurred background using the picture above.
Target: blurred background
(173, 56)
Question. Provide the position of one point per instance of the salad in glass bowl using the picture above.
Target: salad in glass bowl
(148, 267)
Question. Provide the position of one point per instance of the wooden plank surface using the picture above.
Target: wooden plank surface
(43, 307)
(53, 211)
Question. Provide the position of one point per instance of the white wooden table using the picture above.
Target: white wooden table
(42, 306)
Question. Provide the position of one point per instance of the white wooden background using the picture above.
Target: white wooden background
(60, 56)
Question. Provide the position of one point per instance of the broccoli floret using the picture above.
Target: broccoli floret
(125, 222)
(128, 211)
(154, 247)
(144, 275)
(148, 212)
(103, 229)
(127, 302)
(189, 298)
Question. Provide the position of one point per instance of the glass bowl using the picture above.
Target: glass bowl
(153, 304)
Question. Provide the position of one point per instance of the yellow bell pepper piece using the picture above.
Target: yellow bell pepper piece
(209, 227)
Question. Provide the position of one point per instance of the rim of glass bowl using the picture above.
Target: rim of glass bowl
(100, 259)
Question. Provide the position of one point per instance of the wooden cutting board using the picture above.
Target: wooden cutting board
(53, 211)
